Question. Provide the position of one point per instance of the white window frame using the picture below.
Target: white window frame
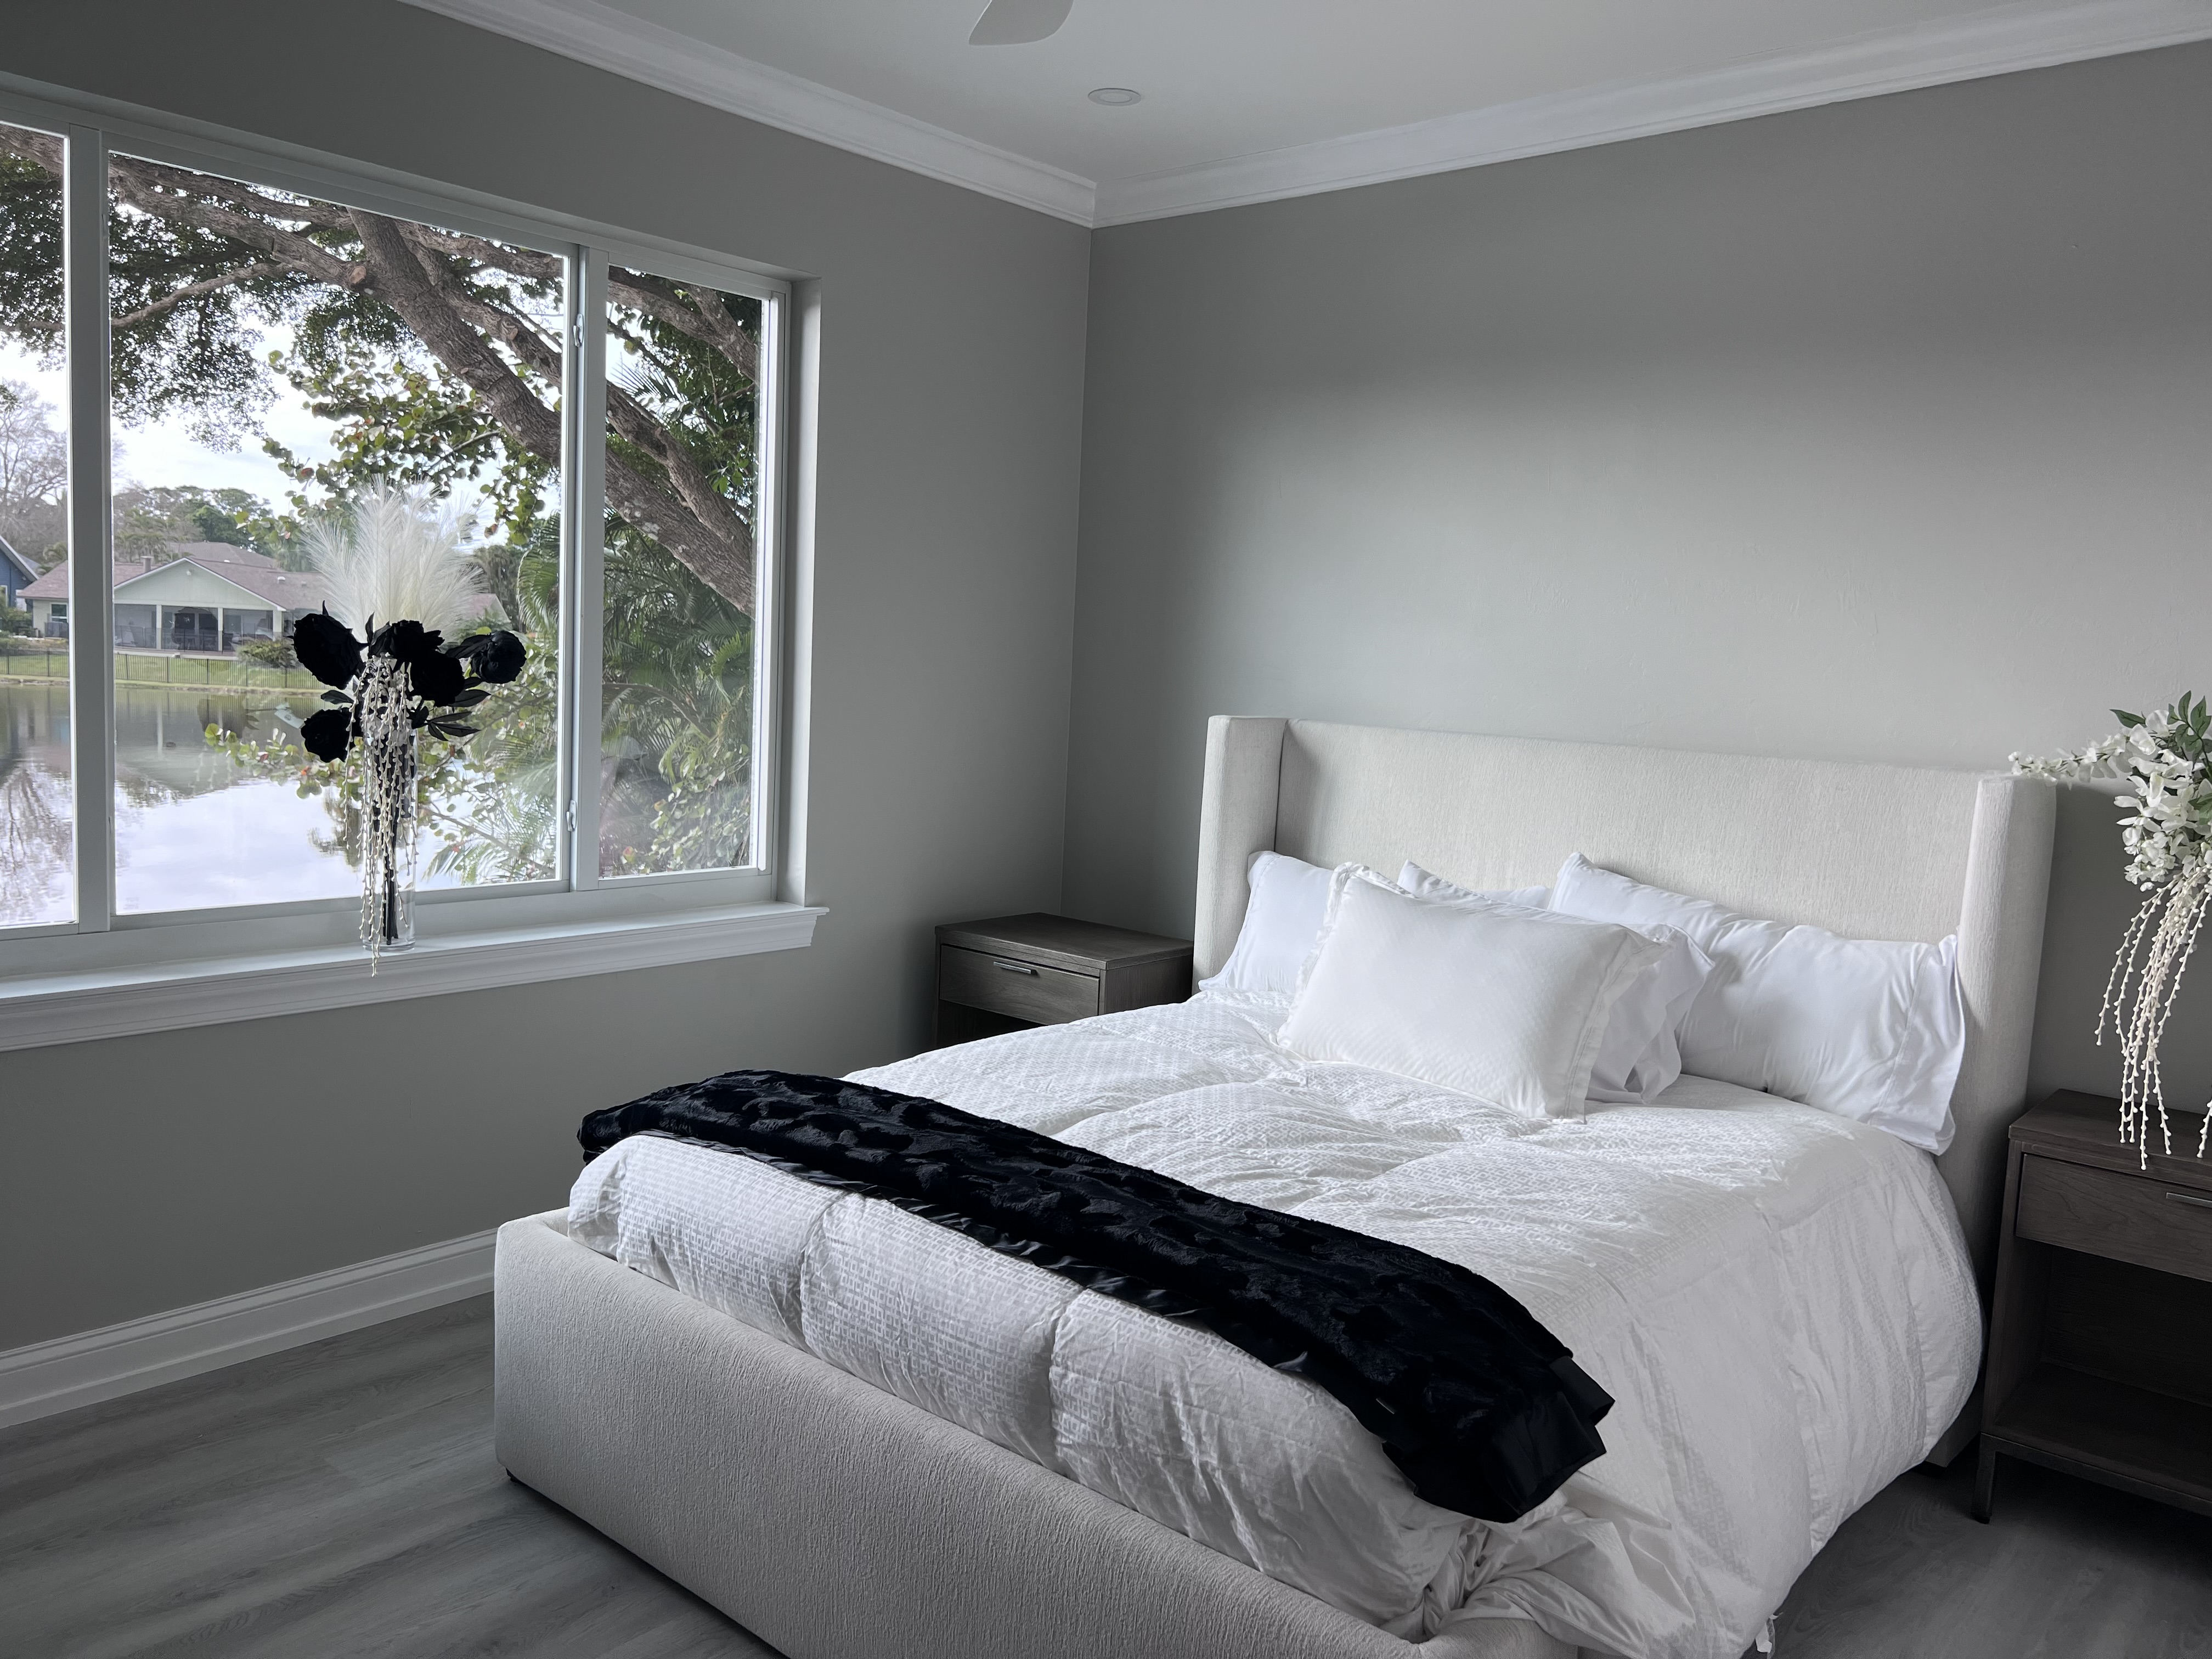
(108, 973)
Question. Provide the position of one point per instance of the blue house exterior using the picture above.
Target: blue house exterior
(15, 575)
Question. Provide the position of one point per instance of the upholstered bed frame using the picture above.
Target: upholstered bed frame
(832, 1519)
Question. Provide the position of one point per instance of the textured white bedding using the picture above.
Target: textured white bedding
(1779, 1299)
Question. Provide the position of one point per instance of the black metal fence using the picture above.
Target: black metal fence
(28, 659)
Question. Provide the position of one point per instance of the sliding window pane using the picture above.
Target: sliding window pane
(311, 401)
(677, 695)
(37, 883)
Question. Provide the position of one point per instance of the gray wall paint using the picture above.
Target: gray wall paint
(1879, 432)
(154, 1171)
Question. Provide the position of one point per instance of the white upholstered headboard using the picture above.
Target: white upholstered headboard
(1876, 852)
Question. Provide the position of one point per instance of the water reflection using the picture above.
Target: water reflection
(191, 829)
(34, 804)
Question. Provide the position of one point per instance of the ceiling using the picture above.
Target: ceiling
(1246, 99)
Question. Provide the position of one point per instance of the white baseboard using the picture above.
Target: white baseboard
(142, 1353)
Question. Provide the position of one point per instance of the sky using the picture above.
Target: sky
(162, 452)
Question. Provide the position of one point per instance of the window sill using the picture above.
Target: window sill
(36, 1012)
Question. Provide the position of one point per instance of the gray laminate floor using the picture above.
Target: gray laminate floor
(341, 1501)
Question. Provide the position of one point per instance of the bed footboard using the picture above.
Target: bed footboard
(833, 1520)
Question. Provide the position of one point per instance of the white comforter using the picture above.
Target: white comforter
(1779, 1301)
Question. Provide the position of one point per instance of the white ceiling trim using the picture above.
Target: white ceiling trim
(1986, 43)
(609, 39)
(1963, 49)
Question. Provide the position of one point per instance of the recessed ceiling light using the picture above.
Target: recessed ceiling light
(1116, 95)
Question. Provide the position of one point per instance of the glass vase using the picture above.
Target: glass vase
(388, 916)
(389, 766)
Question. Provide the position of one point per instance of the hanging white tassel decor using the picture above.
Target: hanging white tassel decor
(2167, 834)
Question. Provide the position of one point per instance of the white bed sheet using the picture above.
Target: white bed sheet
(1779, 1301)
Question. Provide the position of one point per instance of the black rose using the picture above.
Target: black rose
(326, 647)
(437, 676)
(409, 642)
(327, 735)
(497, 657)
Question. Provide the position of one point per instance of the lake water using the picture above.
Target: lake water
(191, 829)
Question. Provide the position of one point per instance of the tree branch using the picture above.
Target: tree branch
(168, 302)
(705, 318)
(515, 261)
(41, 148)
(186, 182)
(422, 300)
(289, 247)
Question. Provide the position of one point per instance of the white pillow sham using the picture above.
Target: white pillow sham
(1426, 884)
(1640, 1058)
(1868, 1029)
(1282, 920)
(1499, 1001)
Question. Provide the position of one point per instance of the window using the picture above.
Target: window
(258, 360)
(682, 500)
(280, 367)
(37, 794)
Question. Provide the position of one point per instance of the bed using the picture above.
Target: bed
(832, 1516)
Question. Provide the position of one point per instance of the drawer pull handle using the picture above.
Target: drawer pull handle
(1015, 968)
(2190, 1198)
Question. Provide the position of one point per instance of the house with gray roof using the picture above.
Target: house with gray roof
(207, 597)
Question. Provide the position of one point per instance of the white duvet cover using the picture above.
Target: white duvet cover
(1779, 1299)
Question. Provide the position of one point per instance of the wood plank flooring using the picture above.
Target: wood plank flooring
(335, 1502)
(340, 1501)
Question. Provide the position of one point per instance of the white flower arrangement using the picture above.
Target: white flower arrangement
(2165, 759)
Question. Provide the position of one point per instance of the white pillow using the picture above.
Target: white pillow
(1423, 884)
(1282, 920)
(1640, 1057)
(1867, 1029)
(1494, 1000)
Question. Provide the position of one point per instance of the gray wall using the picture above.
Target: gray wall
(1880, 432)
(159, 1170)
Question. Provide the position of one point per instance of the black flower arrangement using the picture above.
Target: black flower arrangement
(442, 681)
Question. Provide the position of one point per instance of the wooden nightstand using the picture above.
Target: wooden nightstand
(2101, 1344)
(1017, 971)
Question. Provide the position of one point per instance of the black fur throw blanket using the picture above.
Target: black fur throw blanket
(1482, 1407)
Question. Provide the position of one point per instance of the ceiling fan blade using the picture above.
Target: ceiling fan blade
(1017, 22)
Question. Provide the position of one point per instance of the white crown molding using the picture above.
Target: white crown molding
(77, 1007)
(1962, 49)
(642, 51)
(1994, 42)
(72, 1371)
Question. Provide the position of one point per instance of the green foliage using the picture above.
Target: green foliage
(677, 715)
(13, 620)
(150, 523)
(400, 417)
(268, 654)
(30, 256)
(697, 396)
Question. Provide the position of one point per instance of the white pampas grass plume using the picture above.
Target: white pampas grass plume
(397, 554)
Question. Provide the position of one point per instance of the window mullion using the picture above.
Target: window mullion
(91, 562)
(585, 585)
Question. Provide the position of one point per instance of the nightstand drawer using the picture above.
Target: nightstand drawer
(1027, 990)
(2128, 1217)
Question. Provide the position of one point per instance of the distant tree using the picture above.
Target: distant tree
(34, 476)
(151, 523)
